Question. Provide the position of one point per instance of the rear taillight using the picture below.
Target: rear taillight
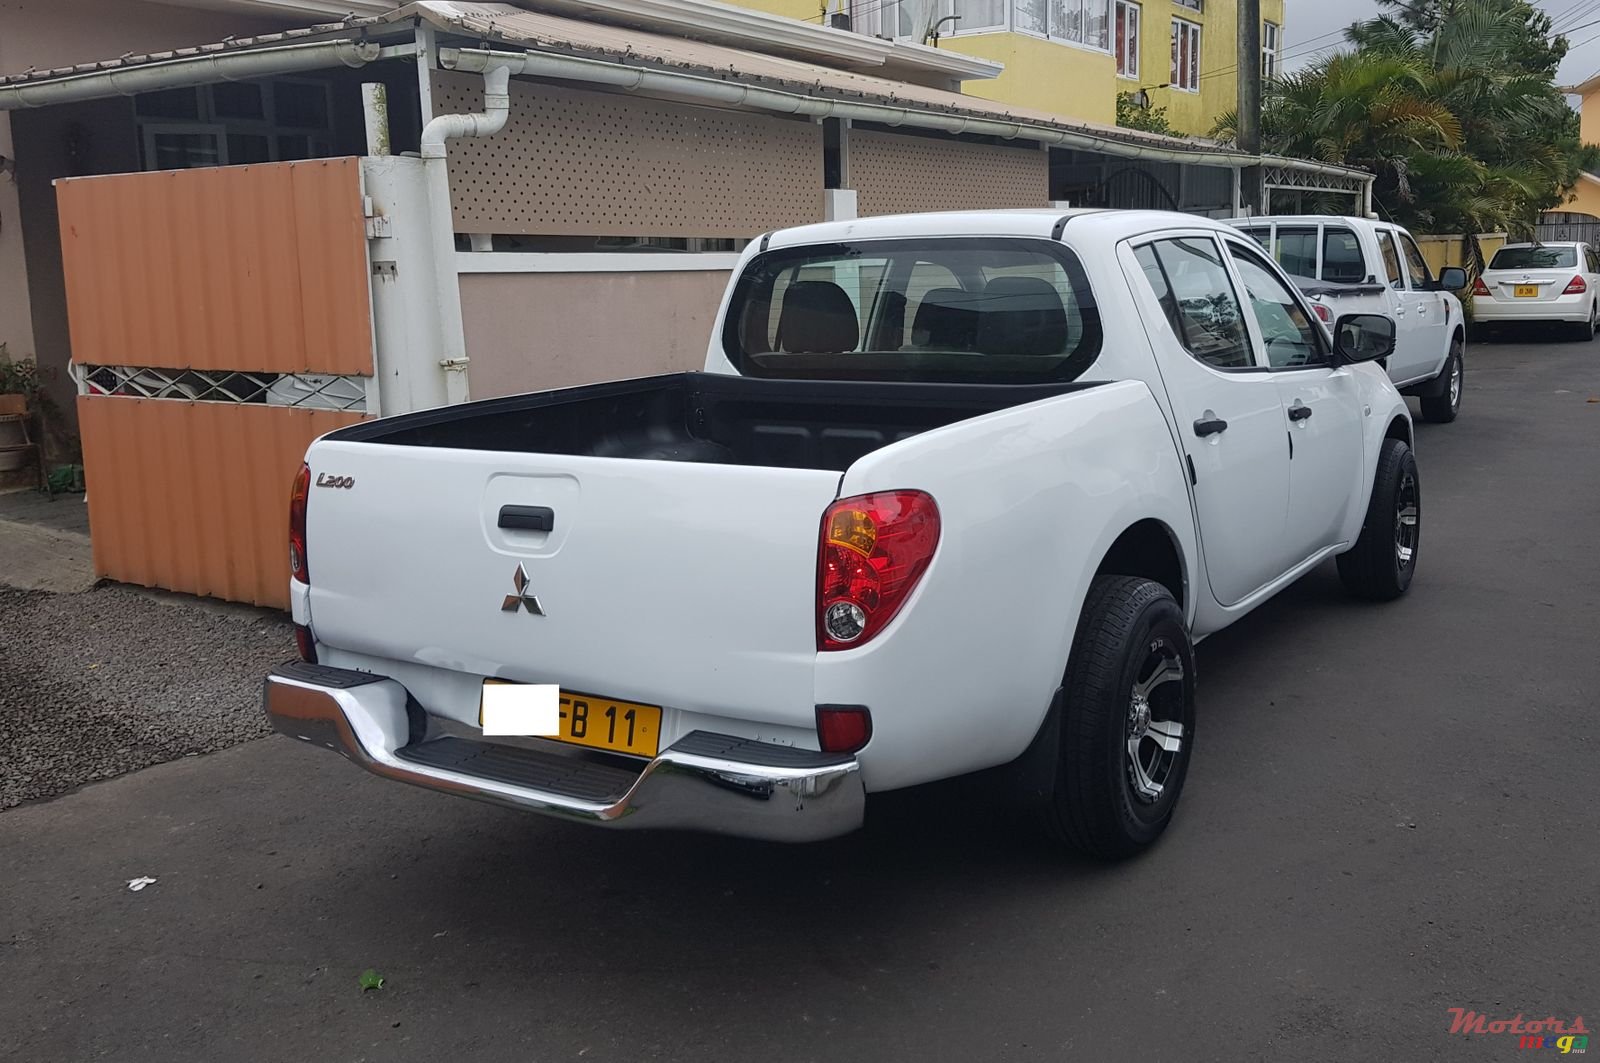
(874, 549)
(297, 525)
(305, 642)
(1478, 287)
(1575, 286)
(1323, 313)
(843, 728)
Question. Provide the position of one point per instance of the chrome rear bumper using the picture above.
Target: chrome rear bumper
(703, 782)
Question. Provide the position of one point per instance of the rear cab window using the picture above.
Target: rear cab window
(1297, 250)
(1537, 257)
(1342, 260)
(981, 310)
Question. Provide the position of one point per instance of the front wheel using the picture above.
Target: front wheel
(1442, 408)
(1127, 725)
(1380, 566)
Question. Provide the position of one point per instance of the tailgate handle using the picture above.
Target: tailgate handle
(528, 518)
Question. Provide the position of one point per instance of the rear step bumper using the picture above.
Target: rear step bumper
(704, 781)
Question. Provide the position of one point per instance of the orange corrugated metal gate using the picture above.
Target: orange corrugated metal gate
(221, 320)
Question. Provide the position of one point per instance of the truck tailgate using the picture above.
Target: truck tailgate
(690, 586)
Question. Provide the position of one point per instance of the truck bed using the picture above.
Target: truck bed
(706, 417)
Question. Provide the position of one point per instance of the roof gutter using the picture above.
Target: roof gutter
(189, 70)
(702, 89)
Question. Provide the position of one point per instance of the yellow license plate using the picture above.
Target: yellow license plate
(1526, 291)
(603, 723)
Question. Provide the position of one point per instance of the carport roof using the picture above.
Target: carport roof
(496, 25)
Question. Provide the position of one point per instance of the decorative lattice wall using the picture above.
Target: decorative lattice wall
(897, 174)
(575, 163)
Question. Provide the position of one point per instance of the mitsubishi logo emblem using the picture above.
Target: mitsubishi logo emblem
(524, 598)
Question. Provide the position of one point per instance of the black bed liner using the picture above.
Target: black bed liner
(705, 417)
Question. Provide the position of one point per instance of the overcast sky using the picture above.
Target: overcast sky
(1308, 20)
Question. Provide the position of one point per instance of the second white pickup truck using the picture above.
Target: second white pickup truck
(955, 492)
(1361, 266)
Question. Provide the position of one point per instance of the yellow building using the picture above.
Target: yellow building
(1072, 57)
(1586, 195)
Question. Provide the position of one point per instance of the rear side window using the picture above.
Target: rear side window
(1391, 260)
(1535, 258)
(1297, 250)
(1197, 296)
(1342, 261)
(954, 309)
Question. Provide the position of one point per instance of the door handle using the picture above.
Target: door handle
(528, 518)
(1400, 312)
(1422, 308)
(1209, 426)
(1299, 413)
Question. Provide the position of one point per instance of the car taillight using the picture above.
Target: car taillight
(1575, 286)
(843, 728)
(297, 525)
(1323, 312)
(305, 642)
(1478, 287)
(874, 549)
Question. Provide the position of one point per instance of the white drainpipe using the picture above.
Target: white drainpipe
(447, 282)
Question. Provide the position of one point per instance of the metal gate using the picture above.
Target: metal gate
(221, 320)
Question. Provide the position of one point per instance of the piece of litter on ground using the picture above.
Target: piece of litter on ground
(371, 979)
(137, 884)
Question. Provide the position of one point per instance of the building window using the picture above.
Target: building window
(899, 18)
(1185, 55)
(1126, 31)
(1078, 21)
(1271, 35)
(281, 120)
(1192, 5)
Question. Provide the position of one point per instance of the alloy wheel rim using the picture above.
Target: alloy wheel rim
(1155, 732)
(1407, 513)
(1455, 382)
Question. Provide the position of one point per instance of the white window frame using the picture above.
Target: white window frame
(879, 18)
(1132, 16)
(1180, 27)
(1271, 44)
(1192, 5)
(1048, 35)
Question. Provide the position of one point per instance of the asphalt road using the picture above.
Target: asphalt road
(1393, 812)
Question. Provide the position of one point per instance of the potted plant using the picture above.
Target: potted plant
(19, 386)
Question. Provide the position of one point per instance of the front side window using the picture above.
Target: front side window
(1271, 33)
(1342, 260)
(1127, 37)
(1421, 275)
(1391, 260)
(1185, 55)
(977, 310)
(1534, 257)
(1287, 332)
(1192, 285)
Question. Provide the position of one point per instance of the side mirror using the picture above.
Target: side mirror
(1451, 279)
(1363, 337)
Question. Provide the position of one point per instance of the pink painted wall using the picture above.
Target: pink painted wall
(51, 33)
(531, 331)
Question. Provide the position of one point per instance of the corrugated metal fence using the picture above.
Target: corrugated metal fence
(221, 320)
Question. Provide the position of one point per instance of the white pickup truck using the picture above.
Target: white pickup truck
(955, 492)
(1360, 266)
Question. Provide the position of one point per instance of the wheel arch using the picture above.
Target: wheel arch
(1399, 428)
(1148, 548)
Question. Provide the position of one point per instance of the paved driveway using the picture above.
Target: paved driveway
(1393, 812)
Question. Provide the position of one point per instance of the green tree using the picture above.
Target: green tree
(1148, 119)
(1451, 103)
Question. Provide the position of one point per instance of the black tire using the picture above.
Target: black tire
(1131, 635)
(1582, 331)
(1380, 566)
(1443, 408)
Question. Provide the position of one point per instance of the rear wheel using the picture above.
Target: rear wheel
(1442, 408)
(1380, 566)
(1584, 330)
(1127, 727)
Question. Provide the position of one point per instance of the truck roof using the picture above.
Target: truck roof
(1041, 222)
